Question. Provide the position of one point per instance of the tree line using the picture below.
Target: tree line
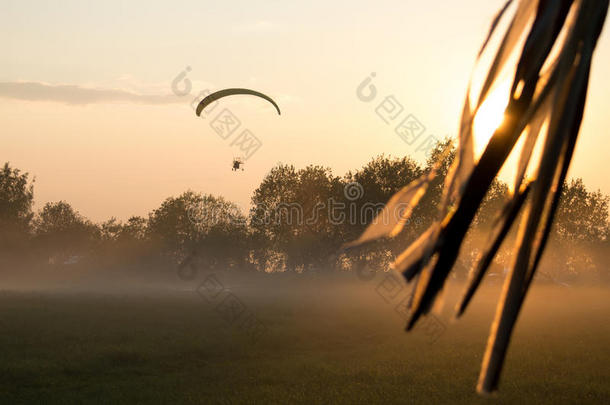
(298, 221)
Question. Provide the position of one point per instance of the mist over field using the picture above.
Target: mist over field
(201, 303)
(287, 338)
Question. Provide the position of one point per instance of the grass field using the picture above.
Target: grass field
(322, 342)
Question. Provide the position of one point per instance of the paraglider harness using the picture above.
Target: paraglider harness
(237, 162)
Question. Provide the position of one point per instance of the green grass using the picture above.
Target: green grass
(324, 343)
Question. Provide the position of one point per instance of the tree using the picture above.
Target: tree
(62, 232)
(377, 181)
(273, 198)
(110, 230)
(582, 215)
(16, 200)
(210, 227)
(441, 157)
(123, 242)
(579, 234)
(491, 206)
(134, 229)
(290, 217)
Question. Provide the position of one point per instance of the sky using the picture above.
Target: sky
(94, 101)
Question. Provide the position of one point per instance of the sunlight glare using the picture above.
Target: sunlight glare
(490, 116)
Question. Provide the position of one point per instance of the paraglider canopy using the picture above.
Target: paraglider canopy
(230, 92)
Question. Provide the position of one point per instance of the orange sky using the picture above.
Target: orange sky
(118, 142)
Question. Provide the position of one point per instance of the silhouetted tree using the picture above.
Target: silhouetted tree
(16, 200)
(378, 180)
(582, 215)
(579, 234)
(299, 219)
(123, 243)
(291, 215)
(209, 227)
(62, 232)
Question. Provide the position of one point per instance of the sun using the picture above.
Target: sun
(490, 116)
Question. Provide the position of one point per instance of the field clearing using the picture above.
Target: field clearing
(322, 342)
